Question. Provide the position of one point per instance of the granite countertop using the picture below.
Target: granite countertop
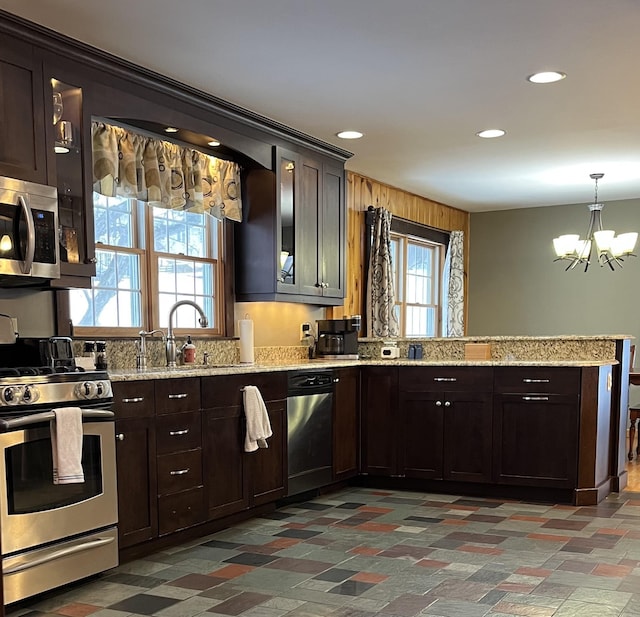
(239, 369)
(473, 339)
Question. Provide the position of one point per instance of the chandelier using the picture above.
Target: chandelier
(609, 249)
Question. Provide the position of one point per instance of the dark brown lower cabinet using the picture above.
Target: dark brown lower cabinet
(346, 422)
(225, 466)
(536, 439)
(268, 466)
(133, 405)
(379, 420)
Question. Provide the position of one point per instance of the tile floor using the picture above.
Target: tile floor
(362, 552)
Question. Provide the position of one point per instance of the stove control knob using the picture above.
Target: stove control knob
(11, 395)
(86, 390)
(101, 389)
(31, 394)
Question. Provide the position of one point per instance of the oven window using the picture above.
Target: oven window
(30, 486)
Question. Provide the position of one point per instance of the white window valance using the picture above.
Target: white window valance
(127, 164)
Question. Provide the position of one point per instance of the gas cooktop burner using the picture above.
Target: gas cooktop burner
(36, 371)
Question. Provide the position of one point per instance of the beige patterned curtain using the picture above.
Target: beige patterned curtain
(381, 318)
(163, 174)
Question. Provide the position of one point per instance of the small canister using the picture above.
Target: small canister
(101, 355)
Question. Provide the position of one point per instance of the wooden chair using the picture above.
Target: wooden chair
(634, 416)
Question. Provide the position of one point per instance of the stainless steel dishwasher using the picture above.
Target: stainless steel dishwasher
(309, 429)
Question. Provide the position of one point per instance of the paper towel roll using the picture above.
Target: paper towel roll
(245, 326)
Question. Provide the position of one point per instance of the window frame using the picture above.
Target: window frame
(142, 221)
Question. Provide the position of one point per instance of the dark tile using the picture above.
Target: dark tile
(407, 605)
(347, 611)
(196, 581)
(571, 565)
(251, 559)
(447, 543)
(423, 519)
(351, 588)
(221, 592)
(402, 500)
(485, 518)
(277, 516)
(476, 538)
(336, 575)
(143, 604)
(221, 544)
(477, 503)
(240, 603)
(350, 505)
(561, 523)
(298, 533)
(405, 550)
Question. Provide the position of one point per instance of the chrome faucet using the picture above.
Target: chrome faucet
(171, 339)
(141, 356)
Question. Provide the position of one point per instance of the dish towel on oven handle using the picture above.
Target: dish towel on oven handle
(66, 446)
(258, 425)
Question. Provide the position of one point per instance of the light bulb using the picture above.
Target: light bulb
(5, 243)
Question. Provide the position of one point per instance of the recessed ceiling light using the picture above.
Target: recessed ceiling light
(490, 133)
(213, 143)
(546, 77)
(349, 134)
(170, 129)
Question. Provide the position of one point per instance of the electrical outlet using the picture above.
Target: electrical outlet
(305, 328)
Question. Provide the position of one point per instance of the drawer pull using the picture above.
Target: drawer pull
(447, 403)
(184, 431)
(179, 472)
(438, 403)
(526, 380)
(120, 436)
(535, 398)
(135, 399)
(444, 379)
(181, 395)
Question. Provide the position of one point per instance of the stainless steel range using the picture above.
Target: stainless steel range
(52, 534)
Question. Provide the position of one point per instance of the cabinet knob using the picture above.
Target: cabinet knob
(120, 436)
(438, 403)
(336, 380)
(91, 260)
(447, 403)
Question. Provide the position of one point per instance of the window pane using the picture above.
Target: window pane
(420, 321)
(183, 279)
(115, 297)
(179, 232)
(113, 220)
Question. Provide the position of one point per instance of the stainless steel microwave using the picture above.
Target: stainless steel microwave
(28, 231)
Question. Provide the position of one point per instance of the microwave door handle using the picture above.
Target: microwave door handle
(31, 236)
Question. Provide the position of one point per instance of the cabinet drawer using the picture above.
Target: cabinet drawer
(446, 378)
(133, 399)
(175, 395)
(227, 391)
(180, 511)
(179, 471)
(562, 380)
(176, 432)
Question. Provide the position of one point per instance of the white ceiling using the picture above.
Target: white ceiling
(418, 77)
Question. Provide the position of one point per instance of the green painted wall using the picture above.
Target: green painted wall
(516, 289)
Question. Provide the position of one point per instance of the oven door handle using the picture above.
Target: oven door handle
(25, 563)
(47, 416)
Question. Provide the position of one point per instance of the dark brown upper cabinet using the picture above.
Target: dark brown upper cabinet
(23, 149)
(291, 247)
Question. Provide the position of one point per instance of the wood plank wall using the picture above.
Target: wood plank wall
(363, 192)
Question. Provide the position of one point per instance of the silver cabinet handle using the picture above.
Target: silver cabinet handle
(179, 472)
(447, 403)
(135, 399)
(184, 431)
(438, 403)
(120, 436)
(527, 380)
(181, 395)
(336, 380)
(444, 379)
(31, 236)
(535, 398)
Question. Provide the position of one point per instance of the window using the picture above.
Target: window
(148, 258)
(418, 267)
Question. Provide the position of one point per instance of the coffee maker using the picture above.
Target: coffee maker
(338, 338)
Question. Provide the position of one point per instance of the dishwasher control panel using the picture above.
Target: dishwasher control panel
(308, 382)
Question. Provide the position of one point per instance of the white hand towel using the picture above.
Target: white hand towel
(258, 425)
(66, 446)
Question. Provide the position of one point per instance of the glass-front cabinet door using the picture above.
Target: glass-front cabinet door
(286, 171)
(75, 230)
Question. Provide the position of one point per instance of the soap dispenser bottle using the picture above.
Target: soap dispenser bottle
(189, 352)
